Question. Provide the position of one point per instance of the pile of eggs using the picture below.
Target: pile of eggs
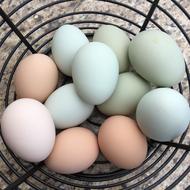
(129, 81)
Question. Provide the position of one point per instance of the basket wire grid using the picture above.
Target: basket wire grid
(37, 176)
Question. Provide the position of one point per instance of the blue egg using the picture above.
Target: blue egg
(163, 114)
(67, 40)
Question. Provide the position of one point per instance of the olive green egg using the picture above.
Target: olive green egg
(128, 92)
(117, 40)
(157, 58)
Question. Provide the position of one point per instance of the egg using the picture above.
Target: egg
(95, 72)
(67, 40)
(122, 143)
(75, 150)
(117, 40)
(157, 57)
(28, 129)
(67, 108)
(36, 77)
(128, 92)
(163, 114)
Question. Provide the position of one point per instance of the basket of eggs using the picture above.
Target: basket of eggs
(97, 105)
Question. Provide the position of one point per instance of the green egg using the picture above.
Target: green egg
(117, 40)
(129, 90)
(157, 58)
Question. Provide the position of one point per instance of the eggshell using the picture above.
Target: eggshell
(117, 40)
(127, 94)
(75, 150)
(36, 77)
(122, 143)
(163, 114)
(95, 72)
(157, 57)
(66, 107)
(28, 129)
(66, 42)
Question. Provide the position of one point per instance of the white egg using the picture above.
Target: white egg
(66, 42)
(163, 114)
(66, 107)
(28, 129)
(95, 72)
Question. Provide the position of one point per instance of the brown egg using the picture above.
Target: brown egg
(122, 143)
(36, 77)
(75, 150)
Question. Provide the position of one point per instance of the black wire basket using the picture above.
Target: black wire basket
(28, 26)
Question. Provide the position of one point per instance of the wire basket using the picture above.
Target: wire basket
(28, 28)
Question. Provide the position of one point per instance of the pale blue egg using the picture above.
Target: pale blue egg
(95, 72)
(66, 107)
(163, 114)
(66, 42)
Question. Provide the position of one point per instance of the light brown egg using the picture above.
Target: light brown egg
(75, 150)
(122, 143)
(36, 77)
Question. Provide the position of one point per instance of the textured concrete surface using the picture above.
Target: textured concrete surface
(43, 35)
